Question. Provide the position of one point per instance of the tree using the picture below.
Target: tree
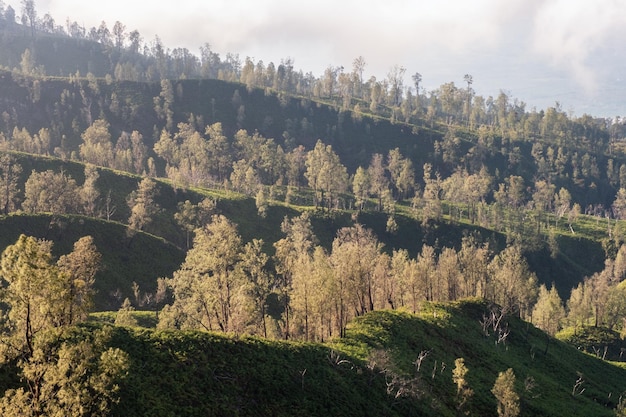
(378, 178)
(164, 102)
(260, 282)
(89, 193)
(29, 14)
(298, 243)
(579, 308)
(401, 173)
(432, 195)
(193, 216)
(50, 192)
(395, 78)
(143, 206)
(619, 205)
(32, 295)
(513, 285)
(79, 268)
(463, 392)
(506, 397)
(97, 147)
(358, 66)
(70, 373)
(119, 34)
(548, 311)
(208, 283)
(468, 100)
(219, 152)
(355, 251)
(361, 187)
(325, 173)
(10, 171)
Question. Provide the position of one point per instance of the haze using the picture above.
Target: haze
(538, 51)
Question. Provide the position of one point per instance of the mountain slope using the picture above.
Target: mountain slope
(371, 371)
(141, 258)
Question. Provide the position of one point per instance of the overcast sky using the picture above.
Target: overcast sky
(539, 51)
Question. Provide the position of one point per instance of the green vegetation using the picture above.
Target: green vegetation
(185, 196)
(389, 362)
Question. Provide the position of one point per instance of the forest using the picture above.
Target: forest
(288, 211)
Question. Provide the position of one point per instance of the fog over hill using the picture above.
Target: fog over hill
(540, 52)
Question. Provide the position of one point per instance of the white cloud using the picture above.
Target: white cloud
(569, 34)
(514, 44)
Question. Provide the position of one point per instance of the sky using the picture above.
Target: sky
(537, 51)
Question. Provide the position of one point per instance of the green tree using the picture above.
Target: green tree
(97, 147)
(68, 374)
(32, 295)
(325, 173)
(463, 391)
(207, 285)
(143, 206)
(219, 152)
(89, 193)
(513, 285)
(193, 216)
(432, 209)
(50, 192)
(164, 102)
(548, 312)
(10, 171)
(619, 204)
(506, 397)
(355, 251)
(361, 187)
(260, 282)
(298, 244)
(378, 178)
(79, 268)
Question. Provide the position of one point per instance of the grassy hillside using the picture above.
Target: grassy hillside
(453, 331)
(577, 256)
(194, 373)
(141, 259)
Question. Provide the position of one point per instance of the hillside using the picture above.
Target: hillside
(371, 371)
(577, 257)
(141, 258)
(256, 200)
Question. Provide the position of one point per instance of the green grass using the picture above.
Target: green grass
(205, 374)
(450, 331)
(141, 258)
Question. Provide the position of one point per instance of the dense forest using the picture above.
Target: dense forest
(294, 207)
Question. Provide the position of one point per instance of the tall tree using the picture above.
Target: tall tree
(80, 267)
(506, 397)
(89, 193)
(354, 254)
(143, 206)
(379, 183)
(298, 244)
(260, 282)
(97, 147)
(10, 171)
(513, 285)
(548, 312)
(29, 14)
(50, 192)
(208, 284)
(32, 295)
(325, 173)
(361, 187)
